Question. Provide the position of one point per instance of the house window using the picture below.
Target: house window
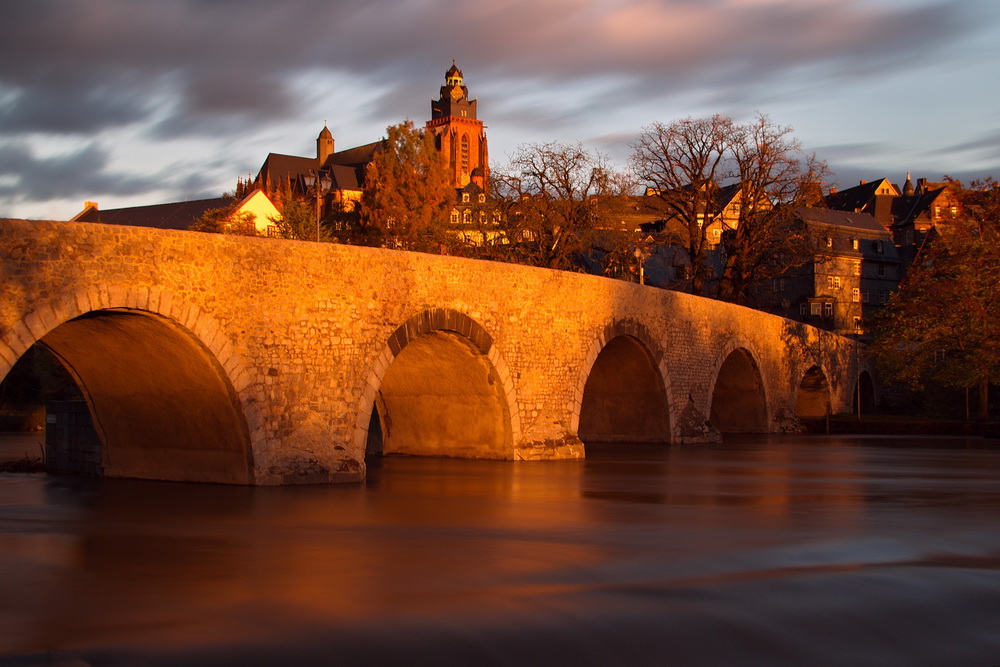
(465, 197)
(828, 309)
(716, 233)
(836, 282)
(854, 244)
(881, 270)
(879, 247)
(855, 295)
(857, 324)
(829, 282)
(816, 308)
(482, 198)
(829, 241)
(467, 216)
(881, 296)
(803, 309)
(864, 296)
(454, 216)
(857, 269)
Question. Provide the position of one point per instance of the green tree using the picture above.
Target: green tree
(943, 325)
(226, 220)
(557, 200)
(408, 194)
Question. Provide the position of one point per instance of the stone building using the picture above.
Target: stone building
(854, 270)
(908, 212)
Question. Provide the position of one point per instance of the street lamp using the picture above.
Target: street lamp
(640, 256)
(319, 187)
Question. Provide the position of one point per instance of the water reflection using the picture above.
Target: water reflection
(760, 551)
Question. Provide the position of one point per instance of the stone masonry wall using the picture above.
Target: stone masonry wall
(301, 330)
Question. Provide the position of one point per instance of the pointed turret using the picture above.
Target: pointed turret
(324, 145)
(908, 189)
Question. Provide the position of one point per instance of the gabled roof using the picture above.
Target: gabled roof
(279, 168)
(848, 220)
(358, 156)
(177, 215)
(345, 178)
(907, 209)
(858, 197)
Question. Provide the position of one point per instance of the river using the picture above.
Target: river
(762, 551)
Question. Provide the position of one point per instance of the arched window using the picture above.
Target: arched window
(465, 154)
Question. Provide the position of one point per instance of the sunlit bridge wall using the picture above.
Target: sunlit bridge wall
(249, 360)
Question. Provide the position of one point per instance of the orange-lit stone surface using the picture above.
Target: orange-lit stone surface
(267, 357)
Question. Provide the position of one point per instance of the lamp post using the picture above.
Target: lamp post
(640, 256)
(319, 187)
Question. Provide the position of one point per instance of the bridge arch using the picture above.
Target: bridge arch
(623, 391)
(440, 387)
(865, 398)
(813, 395)
(738, 401)
(168, 396)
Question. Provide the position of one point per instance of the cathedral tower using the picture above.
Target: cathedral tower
(458, 133)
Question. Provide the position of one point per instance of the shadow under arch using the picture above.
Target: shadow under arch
(739, 401)
(813, 398)
(624, 393)
(161, 403)
(864, 401)
(439, 388)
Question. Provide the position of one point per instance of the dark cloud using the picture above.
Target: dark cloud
(95, 64)
(223, 70)
(27, 176)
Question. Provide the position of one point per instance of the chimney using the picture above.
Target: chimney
(89, 204)
(833, 190)
(862, 182)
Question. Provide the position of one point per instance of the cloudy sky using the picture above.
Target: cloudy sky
(129, 102)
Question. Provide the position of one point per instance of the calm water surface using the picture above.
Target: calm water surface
(763, 551)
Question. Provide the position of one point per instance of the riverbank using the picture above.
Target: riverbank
(889, 425)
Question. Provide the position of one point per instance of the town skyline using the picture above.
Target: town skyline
(116, 103)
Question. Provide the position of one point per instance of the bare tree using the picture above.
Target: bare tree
(683, 164)
(687, 161)
(776, 178)
(558, 199)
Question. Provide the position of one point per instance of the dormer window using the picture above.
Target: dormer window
(879, 247)
(482, 198)
(465, 197)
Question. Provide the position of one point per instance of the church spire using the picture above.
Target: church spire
(324, 145)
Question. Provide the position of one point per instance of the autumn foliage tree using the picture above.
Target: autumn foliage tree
(943, 326)
(408, 194)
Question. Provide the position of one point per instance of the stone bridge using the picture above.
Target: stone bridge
(257, 361)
